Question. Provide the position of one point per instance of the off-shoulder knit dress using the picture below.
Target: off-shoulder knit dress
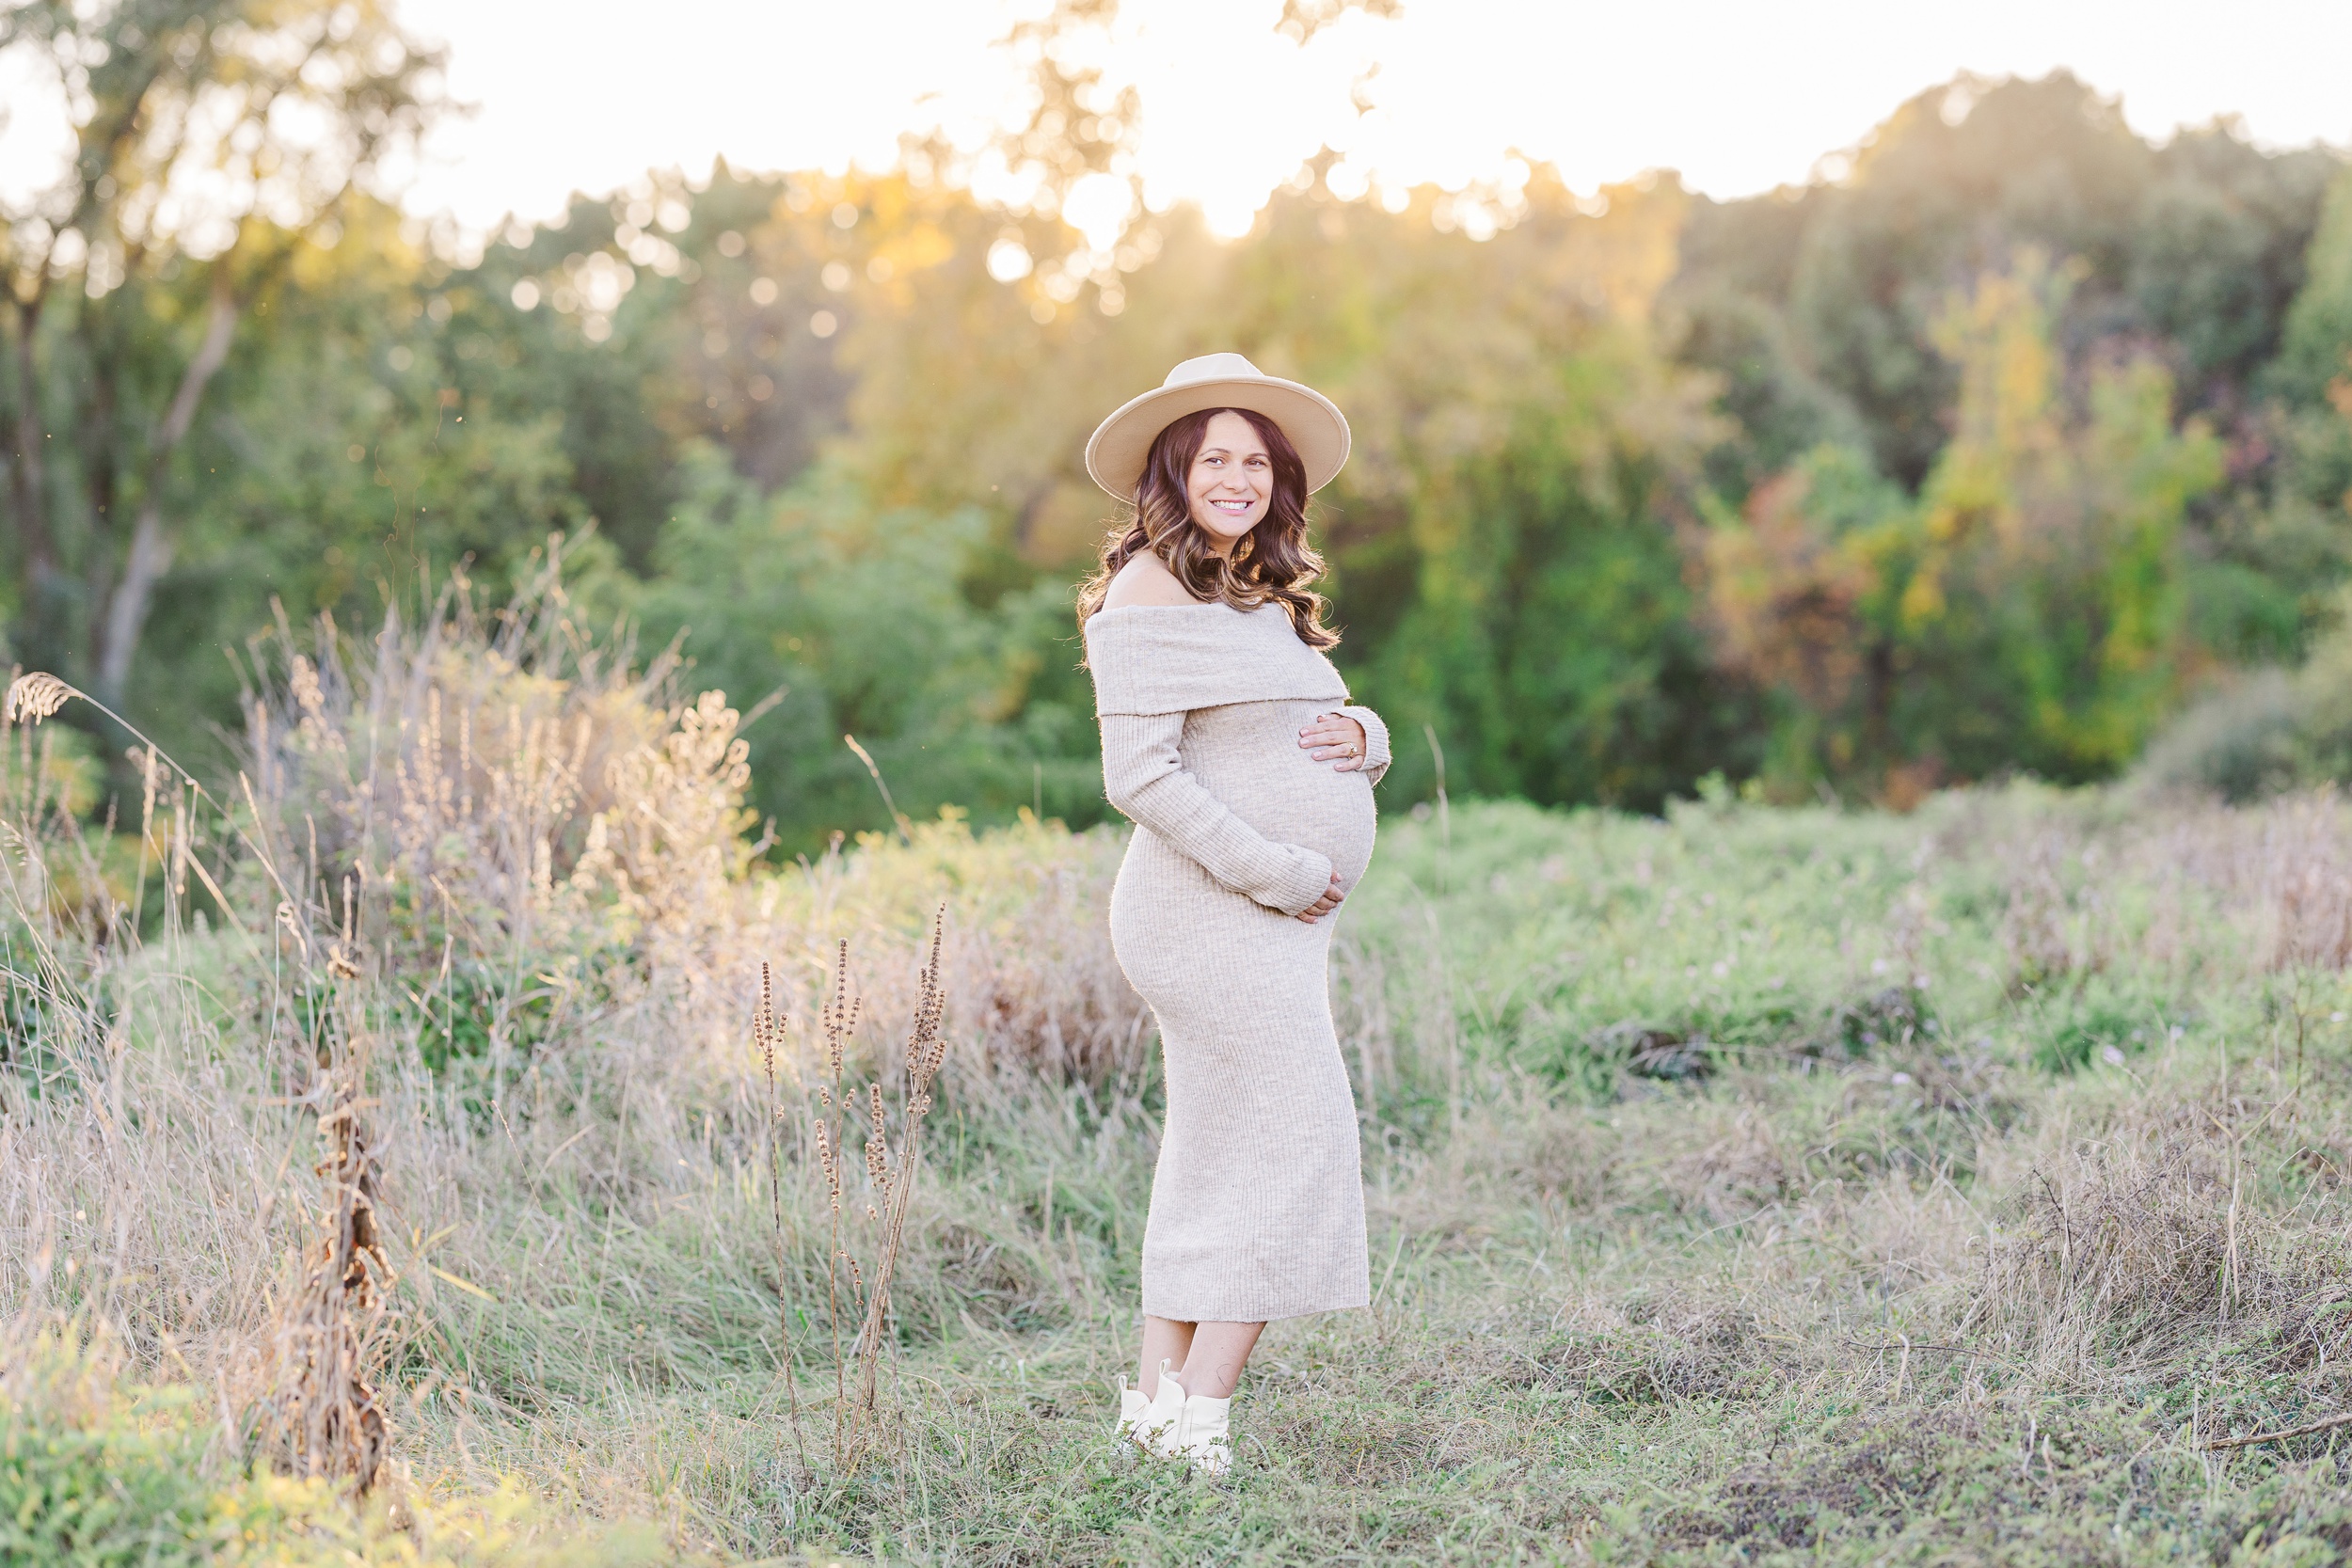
(1257, 1201)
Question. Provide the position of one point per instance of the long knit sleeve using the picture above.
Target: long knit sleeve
(1145, 777)
(1376, 755)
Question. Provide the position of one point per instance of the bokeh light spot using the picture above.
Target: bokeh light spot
(1008, 260)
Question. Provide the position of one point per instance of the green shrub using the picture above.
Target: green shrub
(98, 1473)
(2272, 731)
(2100, 1024)
(90, 1479)
(2241, 744)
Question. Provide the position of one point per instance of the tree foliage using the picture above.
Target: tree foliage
(212, 144)
(1981, 452)
(2025, 610)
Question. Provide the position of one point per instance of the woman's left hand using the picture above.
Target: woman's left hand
(1335, 735)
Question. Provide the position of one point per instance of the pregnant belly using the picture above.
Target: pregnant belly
(1247, 755)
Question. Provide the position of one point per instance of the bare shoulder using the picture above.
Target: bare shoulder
(1145, 581)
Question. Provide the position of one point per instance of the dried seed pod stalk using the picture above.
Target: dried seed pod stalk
(831, 1167)
(836, 1019)
(927, 1041)
(878, 1146)
(890, 1174)
(926, 1049)
(768, 1032)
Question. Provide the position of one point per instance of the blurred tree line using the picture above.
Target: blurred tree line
(1985, 450)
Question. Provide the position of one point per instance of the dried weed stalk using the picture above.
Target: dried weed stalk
(858, 1278)
(767, 1034)
(323, 1417)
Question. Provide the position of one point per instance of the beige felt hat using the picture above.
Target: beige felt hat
(1116, 453)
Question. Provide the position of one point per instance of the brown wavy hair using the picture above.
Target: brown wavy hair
(1271, 563)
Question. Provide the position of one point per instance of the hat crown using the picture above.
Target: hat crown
(1211, 367)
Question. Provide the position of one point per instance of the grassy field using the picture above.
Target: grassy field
(1748, 1186)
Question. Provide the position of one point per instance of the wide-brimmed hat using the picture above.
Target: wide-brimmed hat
(1120, 444)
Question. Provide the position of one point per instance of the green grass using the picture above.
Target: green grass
(1622, 1319)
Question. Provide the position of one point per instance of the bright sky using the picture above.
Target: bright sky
(1739, 95)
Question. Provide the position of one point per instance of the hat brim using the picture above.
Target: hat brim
(1122, 443)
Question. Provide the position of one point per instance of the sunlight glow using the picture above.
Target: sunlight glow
(1739, 97)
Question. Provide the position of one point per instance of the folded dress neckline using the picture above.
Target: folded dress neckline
(1163, 663)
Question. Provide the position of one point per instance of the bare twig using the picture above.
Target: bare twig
(897, 817)
(2306, 1429)
(1948, 1350)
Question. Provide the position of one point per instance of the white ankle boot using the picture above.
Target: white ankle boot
(1201, 1434)
(1152, 1424)
(1189, 1426)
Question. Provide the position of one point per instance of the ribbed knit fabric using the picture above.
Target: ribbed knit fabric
(1257, 1204)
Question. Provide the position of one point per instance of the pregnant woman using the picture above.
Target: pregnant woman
(1228, 740)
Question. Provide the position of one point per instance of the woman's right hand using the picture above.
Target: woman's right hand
(1324, 905)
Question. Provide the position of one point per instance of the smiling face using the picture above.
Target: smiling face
(1231, 480)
